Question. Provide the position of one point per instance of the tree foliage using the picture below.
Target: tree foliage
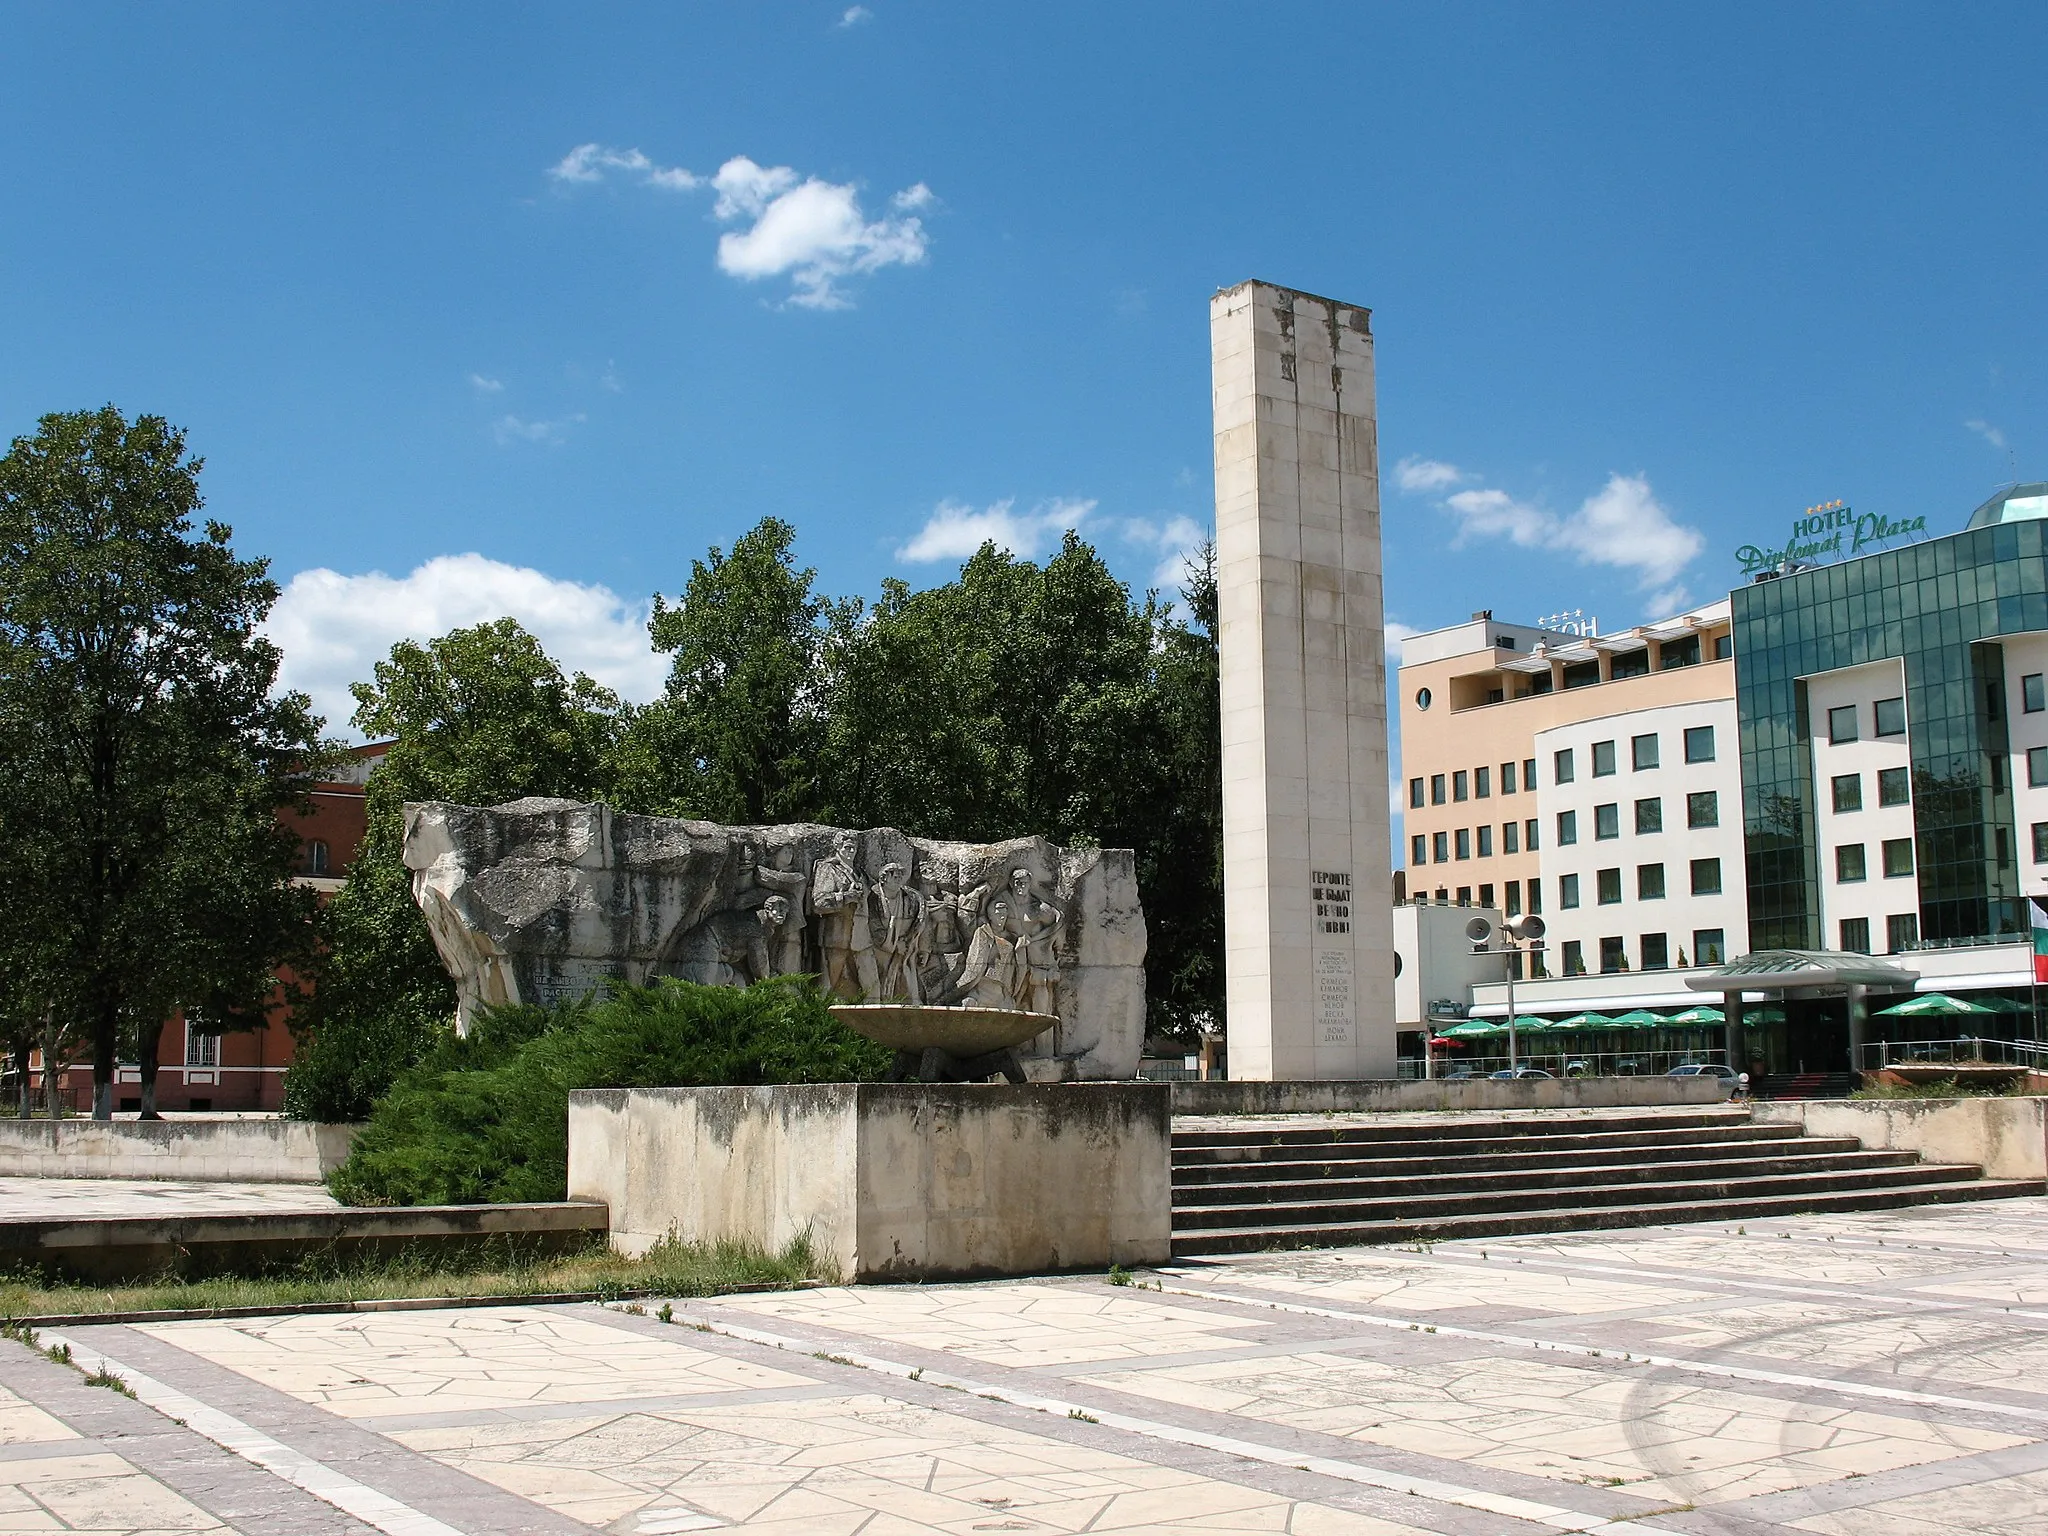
(147, 758)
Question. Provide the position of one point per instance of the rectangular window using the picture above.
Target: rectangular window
(1460, 787)
(1482, 783)
(2041, 842)
(1529, 835)
(1890, 717)
(1529, 774)
(1642, 751)
(1463, 842)
(1629, 664)
(1567, 892)
(1436, 789)
(1679, 653)
(1607, 883)
(1703, 808)
(1894, 786)
(1415, 797)
(1849, 866)
(1603, 759)
(1842, 724)
(1440, 847)
(2037, 767)
(1574, 958)
(1855, 936)
(1511, 837)
(1902, 932)
(1486, 895)
(1418, 846)
(1562, 770)
(1486, 841)
(1649, 882)
(1536, 897)
(1707, 947)
(1848, 792)
(2033, 698)
(1514, 899)
(1606, 822)
(1649, 816)
(1612, 956)
(1724, 647)
(1567, 828)
(1706, 877)
(1655, 950)
(1507, 778)
(201, 1050)
(1464, 895)
(1898, 857)
(1581, 674)
(1699, 743)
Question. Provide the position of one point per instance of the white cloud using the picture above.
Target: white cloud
(512, 429)
(810, 230)
(590, 162)
(955, 530)
(1988, 432)
(1396, 632)
(334, 629)
(485, 386)
(1177, 541)
(854, 15)
(1413, 474)
(1622, 525)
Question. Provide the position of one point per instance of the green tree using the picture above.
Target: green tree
(480, 716)
(147, 758)
(736, 735)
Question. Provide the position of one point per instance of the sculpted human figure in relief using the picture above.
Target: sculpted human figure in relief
(1036, 924)
(781, 876)
(845, 942)
(895, 924)
(989, 976)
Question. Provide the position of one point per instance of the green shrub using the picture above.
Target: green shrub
(484, 1118)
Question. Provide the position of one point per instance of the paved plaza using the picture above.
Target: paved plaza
(1882, 1374)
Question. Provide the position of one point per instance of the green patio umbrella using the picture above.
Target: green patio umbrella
(1585, 1021)
(1700, 1013)
(2002, 1005)
(1524, 1022)
(1638, 1018)
(1931, 1004)
(1471, 1029)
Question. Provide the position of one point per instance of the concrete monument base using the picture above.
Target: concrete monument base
(894, 1181)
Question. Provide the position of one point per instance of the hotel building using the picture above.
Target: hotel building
(1847, 757)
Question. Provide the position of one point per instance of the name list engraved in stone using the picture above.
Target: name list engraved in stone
(1331, 892)
(1333, 996)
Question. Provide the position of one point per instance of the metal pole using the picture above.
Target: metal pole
(1512, 952)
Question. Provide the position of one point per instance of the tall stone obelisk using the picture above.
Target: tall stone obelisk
(1307, 872)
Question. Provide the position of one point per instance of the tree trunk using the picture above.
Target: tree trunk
(24, 1048)
(147, 1040)
(106, 1039)
(50, 1038)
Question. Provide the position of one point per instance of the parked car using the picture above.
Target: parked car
(1703, 1069)
(1523, 1072)
(1463, 1074)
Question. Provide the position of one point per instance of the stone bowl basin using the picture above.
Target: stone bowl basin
(962, 1032)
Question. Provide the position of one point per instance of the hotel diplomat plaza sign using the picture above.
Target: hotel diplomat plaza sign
(1819, 533)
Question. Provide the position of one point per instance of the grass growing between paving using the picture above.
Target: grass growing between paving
(669, 1269)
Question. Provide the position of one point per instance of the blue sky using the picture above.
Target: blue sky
(907, 272)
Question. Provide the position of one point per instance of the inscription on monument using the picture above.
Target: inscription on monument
(1331, 892)
(1333, 996)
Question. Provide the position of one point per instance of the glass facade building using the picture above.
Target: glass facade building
(1941, 609)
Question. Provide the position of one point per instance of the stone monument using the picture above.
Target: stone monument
(1308, 889)
(544, 900)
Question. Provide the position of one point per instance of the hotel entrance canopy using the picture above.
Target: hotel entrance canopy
(1779, 971)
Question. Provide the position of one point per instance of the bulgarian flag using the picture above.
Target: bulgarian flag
(2038, 921)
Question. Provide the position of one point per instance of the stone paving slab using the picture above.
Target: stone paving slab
(1871, 1374)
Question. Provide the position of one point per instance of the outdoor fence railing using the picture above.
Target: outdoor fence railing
(1964, 1050)
(1565, 1063)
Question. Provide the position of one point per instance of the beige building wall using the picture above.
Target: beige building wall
(1308, 890)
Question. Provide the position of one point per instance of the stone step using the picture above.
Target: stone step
(1293, 1219)
(1742, 1205)
(1513, 1173)
(1393, 1128)
(1346, 1162)
(1463, 1143)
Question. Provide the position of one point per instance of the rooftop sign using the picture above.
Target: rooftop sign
(1819, 533)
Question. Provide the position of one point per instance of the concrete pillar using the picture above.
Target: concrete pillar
(1308, 886)
(1859, 1018)
(1738, 1049)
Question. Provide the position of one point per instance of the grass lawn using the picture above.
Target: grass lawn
(670, 1269)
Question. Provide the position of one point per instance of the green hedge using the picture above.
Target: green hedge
(484, 1118)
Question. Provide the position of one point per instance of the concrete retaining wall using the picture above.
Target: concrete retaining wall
(2008, 1138)
(254, 1150)
(894, 1181)
(1483, 1093)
